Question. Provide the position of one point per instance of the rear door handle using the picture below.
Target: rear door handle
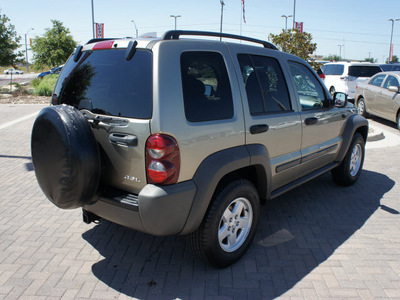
(123, 139)
(311, 121)
(255, 129)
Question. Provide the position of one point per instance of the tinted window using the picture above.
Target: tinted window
(105, 83)
(391, 81)
(377, 80)
(206, 89)
(333, 69)
(266, 88)
(310, 91)
(363, 71)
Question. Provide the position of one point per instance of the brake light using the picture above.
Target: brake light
(103, 45)
(162, 159)
(322, 76)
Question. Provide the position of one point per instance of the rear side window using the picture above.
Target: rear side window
(103, 82)
(266, 87)
(377, 80)
(333, 69)
(206, 89)
(391, 81)
(363, 71)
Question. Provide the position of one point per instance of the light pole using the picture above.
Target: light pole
(175, 16)
(93, 18)
(135, 28)
(26, 50)
(340, 51)
(222, 17)
(286, 17)
(294, 14)
(391, 40)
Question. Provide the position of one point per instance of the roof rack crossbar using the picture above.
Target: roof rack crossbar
(175, 34)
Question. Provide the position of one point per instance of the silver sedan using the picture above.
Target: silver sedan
(380, 96)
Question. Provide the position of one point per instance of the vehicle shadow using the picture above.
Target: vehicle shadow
(297, 232)
(383, 121)
(28, 166)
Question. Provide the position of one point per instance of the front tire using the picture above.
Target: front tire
(398, 121)
(349, 170)
(229, 225)
(332, 90)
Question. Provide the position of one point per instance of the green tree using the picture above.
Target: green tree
(371, 59)
(333, 57)
(8, 42)
(295, 42)
(54, 47)
(395, 59)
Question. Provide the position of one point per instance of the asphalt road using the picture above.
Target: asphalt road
(317, 241)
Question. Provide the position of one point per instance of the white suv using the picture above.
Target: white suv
(345, 76)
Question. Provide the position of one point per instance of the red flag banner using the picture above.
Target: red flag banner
(244, 18)
(99, 30)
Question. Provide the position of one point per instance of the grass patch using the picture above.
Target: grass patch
(45, 86)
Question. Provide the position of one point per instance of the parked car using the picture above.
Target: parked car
(345, 76)
(190, 136)
(13, 71)
(55, 70)
(380, 96)
(390, 67)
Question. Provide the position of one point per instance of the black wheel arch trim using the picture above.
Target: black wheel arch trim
(220, 164)
(355, 123)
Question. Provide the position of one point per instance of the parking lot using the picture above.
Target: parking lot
(318, 241)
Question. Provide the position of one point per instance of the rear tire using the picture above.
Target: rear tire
(362, 109)
(229, 225)
(349, 170)
(398, 121)
(332, 90)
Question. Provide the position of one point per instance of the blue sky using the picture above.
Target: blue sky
(362, 26)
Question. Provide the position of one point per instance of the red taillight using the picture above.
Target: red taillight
(322, 76)
(103, 45)
(162, 159)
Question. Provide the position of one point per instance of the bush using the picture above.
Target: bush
(45, 86)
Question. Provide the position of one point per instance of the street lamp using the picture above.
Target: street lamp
(286, 17)
(135, 28)
(340, 51)
(175, 16)
(26, 50)
(391, 40)
(294, 14)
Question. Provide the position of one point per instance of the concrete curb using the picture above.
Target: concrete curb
(375, 134)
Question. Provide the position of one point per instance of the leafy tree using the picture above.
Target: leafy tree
(371, 59)
(333, 57)
(54, 47)
(8, 42)
(295, 42)
(395, 59)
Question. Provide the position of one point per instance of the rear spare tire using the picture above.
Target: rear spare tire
(65, 156)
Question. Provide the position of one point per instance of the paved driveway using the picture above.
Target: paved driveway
(319, 240)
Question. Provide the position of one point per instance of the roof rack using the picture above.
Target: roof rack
(175, 34)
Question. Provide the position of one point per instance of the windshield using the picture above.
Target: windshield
(363, 71)
(104, 82)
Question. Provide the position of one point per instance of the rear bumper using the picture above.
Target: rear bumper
(157, 210)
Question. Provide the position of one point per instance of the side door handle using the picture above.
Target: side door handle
(123, 139)
(311, 121)
(259, 128)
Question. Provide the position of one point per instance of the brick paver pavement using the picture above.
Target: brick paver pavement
(318, 241)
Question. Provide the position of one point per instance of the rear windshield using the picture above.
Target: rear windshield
(363, 71)
(105, 83)
(333, 69)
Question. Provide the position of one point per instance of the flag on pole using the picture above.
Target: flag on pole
(244, 18)
(99, 30)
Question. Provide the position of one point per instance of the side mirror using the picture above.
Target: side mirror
(393, 88)
(340, 99)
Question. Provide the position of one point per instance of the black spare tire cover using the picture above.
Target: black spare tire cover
(65, 156)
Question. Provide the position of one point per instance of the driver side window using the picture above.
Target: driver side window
(310, 92)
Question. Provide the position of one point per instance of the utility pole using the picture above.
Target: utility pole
(26, 51)
(222, 16)
(340, 51)
(294, 14)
